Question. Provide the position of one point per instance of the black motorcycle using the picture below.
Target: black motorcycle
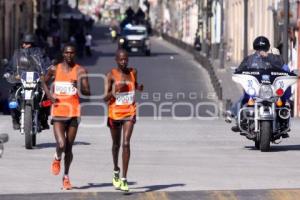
(29, 95)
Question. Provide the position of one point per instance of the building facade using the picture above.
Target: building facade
(260, 22)
(14, 24)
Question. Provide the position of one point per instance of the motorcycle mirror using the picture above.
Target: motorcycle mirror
(3, 62)
(3, 137)
(233, 68)
(296, 71)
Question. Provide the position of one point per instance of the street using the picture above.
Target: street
(169, 75)
(181, 147)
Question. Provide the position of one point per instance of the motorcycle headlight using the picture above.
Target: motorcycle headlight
(13, 104)
(251, 91)
(265, 92)
(121, 41)
(147, 42)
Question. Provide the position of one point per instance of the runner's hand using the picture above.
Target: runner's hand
(140, 87)
(74, 83)
(52, 98)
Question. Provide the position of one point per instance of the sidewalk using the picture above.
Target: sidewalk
(221, 79)
(231, 91)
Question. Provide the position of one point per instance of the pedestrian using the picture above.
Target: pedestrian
(80, 42)
(120, 86)
(88, 44)
(68, 78)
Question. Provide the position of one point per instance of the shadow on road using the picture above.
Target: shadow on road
(151, 188)
(278, 148)
(154, 54)
(50, 145)
(98, 185)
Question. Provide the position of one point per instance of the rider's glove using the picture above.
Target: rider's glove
(6, 75)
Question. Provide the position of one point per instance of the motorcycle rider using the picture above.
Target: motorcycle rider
(260, 59)
(27, 48)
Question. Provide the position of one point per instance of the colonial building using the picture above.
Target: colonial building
(16, 19)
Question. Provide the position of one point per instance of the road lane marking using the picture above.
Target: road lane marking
(284, 194)
(223, 195)
(155, 196)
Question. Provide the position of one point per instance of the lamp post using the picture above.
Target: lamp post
(285, 31)
(245, 28)
(222, 60)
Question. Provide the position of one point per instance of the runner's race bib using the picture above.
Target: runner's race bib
(64, 88)
(125, 98)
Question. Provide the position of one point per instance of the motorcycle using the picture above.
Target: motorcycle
(113, 34)
(29, 95)
(265, 118)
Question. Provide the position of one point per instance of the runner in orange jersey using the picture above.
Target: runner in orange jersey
(65, 112)
(120, 87)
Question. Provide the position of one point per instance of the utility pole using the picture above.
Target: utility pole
(222, 36)
(285, 31)
(245, 28)
(199, 14)
(297, 95)
(77, 3)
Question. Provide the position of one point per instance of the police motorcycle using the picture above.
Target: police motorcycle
(28, 96)
(265, 118)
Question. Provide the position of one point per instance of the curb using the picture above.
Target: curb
(202, 60)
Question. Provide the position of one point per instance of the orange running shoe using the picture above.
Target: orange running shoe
(66, 183)
(55, 168)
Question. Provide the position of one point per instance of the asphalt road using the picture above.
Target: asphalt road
(170, 158)
(176, 156)
(173, 80)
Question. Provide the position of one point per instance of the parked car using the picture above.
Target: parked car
(135, 38)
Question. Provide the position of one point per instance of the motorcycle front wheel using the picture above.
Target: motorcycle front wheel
(256, 144)
(265, 135)
(28, 127)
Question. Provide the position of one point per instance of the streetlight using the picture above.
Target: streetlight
(245, 28)
(222, 36)
(285, 31)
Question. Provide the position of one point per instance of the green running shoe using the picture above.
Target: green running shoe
(124, 185)
(116, 180)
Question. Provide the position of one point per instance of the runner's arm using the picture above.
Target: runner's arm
(46, 79)
(108, 93)
(84, 82)
(137, 86)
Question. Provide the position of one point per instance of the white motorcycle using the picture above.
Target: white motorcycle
(265, 118)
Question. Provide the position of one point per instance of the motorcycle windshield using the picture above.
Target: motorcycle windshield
(266, 76)
(252, 79)
(24, 61)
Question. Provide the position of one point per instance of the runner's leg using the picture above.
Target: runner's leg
(71, 134)
(116, 141)
(59, 133)
(127, 132)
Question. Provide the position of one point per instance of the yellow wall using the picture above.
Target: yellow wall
(260, 22)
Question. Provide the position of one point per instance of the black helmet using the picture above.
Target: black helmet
(28, 38)
(261, 43)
